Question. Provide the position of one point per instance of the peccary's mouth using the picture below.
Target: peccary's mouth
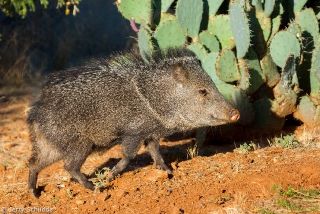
(231, 118)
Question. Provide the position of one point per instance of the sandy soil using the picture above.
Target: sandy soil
(221, 179)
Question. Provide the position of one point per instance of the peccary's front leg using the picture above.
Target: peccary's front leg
(130, 147)
(153, 149)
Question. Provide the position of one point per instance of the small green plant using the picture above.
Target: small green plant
(192, 151)
(101, 177)
(296, 200)
(266, 211)
(285, 141)
(247, 147)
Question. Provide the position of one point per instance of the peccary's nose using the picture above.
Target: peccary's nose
(234, 115)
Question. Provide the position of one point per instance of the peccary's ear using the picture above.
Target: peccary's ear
(178, 73)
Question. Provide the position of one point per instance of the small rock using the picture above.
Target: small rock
(79, 202)
(156, 175)
(2, 167)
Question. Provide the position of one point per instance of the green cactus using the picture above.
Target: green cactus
(275, 21)
(169, 34)
(226, 66)
(269, 68)
(282, 45)
(282, 34)
(189, 15)
(167, 17)
(199, 50)
(268, 7)
(309, 26)
(212, 6)
(297, 5)
(240, 28)
(308, 112)
(284, 104)
(218, 25)
(145, 43)
(137, 9)
(295, 29)
(289, 80)
(252, 76)
(209, 41)
(163, 5)
(315, 75)
(208, 65)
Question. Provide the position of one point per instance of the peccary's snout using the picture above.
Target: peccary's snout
(234, 115)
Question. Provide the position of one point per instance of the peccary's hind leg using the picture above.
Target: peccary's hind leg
(74, 162)
(37, 162)
(130, 148)
(153, 149)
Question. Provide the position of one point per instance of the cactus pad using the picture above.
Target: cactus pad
(315, 74)
(226, 66)
(145, 43)
(307, 112)
(285, 104)
(268, 7)
(297, 5)
(137, 9)
(220, 27)
(169, 34)
(282, 45)
(269, 68)
(208, 65)
(189, 15)
(209, 41)
(289, 80)
(295, 29)
(163, 5)
(240, 28)
(199, 50)
(211, 6)
(309, 26)
(252, 76)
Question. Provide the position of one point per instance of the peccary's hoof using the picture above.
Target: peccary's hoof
(169, 171)
(33, 193)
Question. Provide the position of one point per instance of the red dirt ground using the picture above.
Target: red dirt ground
(222, 179)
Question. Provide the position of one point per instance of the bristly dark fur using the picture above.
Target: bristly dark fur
(123, 62)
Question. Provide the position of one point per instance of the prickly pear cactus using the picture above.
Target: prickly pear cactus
(263, 55)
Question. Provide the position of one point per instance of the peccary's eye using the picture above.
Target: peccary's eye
(203, 92)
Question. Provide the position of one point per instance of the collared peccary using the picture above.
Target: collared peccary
(121, 101)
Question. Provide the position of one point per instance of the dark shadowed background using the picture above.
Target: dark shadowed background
(48, 40)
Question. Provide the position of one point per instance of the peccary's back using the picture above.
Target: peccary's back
(91, 102)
